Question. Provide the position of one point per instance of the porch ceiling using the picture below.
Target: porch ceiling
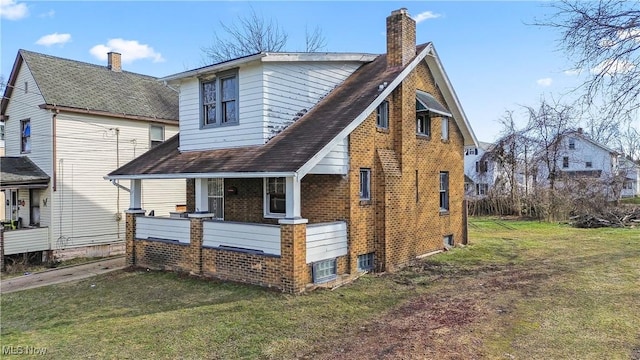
(21, 172)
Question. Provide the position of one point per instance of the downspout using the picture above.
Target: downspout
(54, 150)
(118, 188)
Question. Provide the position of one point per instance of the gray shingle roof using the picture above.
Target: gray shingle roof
(76, 84)
(20, 170)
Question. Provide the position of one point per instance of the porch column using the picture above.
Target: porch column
(293, 207)
(135, 196)
(130, 237)
(202, 196)
(293, 255)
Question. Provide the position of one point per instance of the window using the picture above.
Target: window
(627, 185)
(445, 128)
(482, 189)
(324, 271)
(482, 166)
(365, 262)
(448, 240)
(382, 119)
(1, 131)
(34, 203)
(444, 191)
(26, 87)
(365, 184)
(588, 164)
(565, 162)
(572, 144)
(156, 135)
(220, 100)
(423, 124)
(275, 197)
(215, 192)
(472, 151)
(25, 126)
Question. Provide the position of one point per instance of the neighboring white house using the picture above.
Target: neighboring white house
(67, 124)
(481, 171)
(579, 157)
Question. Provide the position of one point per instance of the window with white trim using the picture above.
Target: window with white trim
(482, 189)
(215, 192)
(572, 144)
(445, 128)
(275, 200)
(423, 124)
(1, 131)
(324, 271)
(444, 191)
(156, 135)
(220, 100)
(565, 162)
(365, 184)
(382, 115)
(25, 135)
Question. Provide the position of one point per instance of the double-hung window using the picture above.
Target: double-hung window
(25, 131)
(572, 144)
(220, 100)
(445, 128)
(156, 135)
(423, 124)
(275, 197)
(444, 191)
(382, 119)
(565, 162)
(365, 184)
(215, 192)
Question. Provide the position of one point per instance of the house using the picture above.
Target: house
(481, 170)
(67, 123)
(307, 168)
(2, 197)
(576, 158)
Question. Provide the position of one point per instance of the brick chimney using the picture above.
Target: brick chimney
(114, 61)
(401, 38)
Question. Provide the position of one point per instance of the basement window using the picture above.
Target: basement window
(448, 241)
(365, 262)
(323, 271)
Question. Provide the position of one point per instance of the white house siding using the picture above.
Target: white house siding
(88, 210)
(326, 241)
(271, 97)
(247, 132)
(26, 240)
(150, 227)
(584, 151)
(293, 88)
(259, 237)
(335, 162)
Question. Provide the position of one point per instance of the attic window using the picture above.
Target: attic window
(220, 100)
(572, 144)
(156, 135)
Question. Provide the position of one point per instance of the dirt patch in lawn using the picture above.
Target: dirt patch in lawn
(448, 323)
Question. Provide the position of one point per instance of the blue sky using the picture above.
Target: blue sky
(494, 59)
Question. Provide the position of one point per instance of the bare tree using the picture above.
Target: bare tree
(603, 40)
(254, 34)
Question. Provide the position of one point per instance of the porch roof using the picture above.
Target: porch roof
(21, 172)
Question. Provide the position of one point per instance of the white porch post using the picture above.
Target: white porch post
(135, 196)
(293, 208)
(202, 196)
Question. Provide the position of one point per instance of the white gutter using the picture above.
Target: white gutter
(242, 175)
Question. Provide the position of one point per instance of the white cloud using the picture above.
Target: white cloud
(572, 72)
(53, 39)
(612, 67)
(131, 51)
(11, 10)
(48, 14)
(425, 15)
(545, 82)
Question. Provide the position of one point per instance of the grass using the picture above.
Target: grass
(632, 200)
(529, 290)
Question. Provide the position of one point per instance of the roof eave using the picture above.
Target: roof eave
(244, 175)
(214, 68)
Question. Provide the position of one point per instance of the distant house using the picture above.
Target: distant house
(481, 170)
(304, 168)
(579, 157)
(67, 123)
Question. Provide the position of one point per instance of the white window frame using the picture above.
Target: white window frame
(25, 141)
(155, 142)
(445, 128)
(267, 197)
(425, 128)
(565, 164)
(1, 131)
(215, 190)
(365, 184)
(572, 144)
(382, 115)
(219, 102)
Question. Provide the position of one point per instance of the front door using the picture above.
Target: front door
(216, 198)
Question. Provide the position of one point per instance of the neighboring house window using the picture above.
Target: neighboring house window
(482, 189)
(565, 162)
(588, 164)
(444, 191)
(1, 131)
(275, 197)
(628, 185)
(469, 152)
(324, 271)
(382, 119)
(482, 166)
(467, 187)
(25, 128)
(220, 100)
(365, 184)
(572, 144)
(156, 135)
(423, 124)
(215, 193)
(445, 128)
(365, 262)
(447, 240)
(34, 203)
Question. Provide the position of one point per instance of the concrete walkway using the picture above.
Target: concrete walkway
(65, 274)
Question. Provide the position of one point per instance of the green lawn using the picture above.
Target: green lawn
(528, 290)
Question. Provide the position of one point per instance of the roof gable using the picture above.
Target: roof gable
(78, 85)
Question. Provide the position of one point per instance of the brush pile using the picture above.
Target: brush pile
(612, 217)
